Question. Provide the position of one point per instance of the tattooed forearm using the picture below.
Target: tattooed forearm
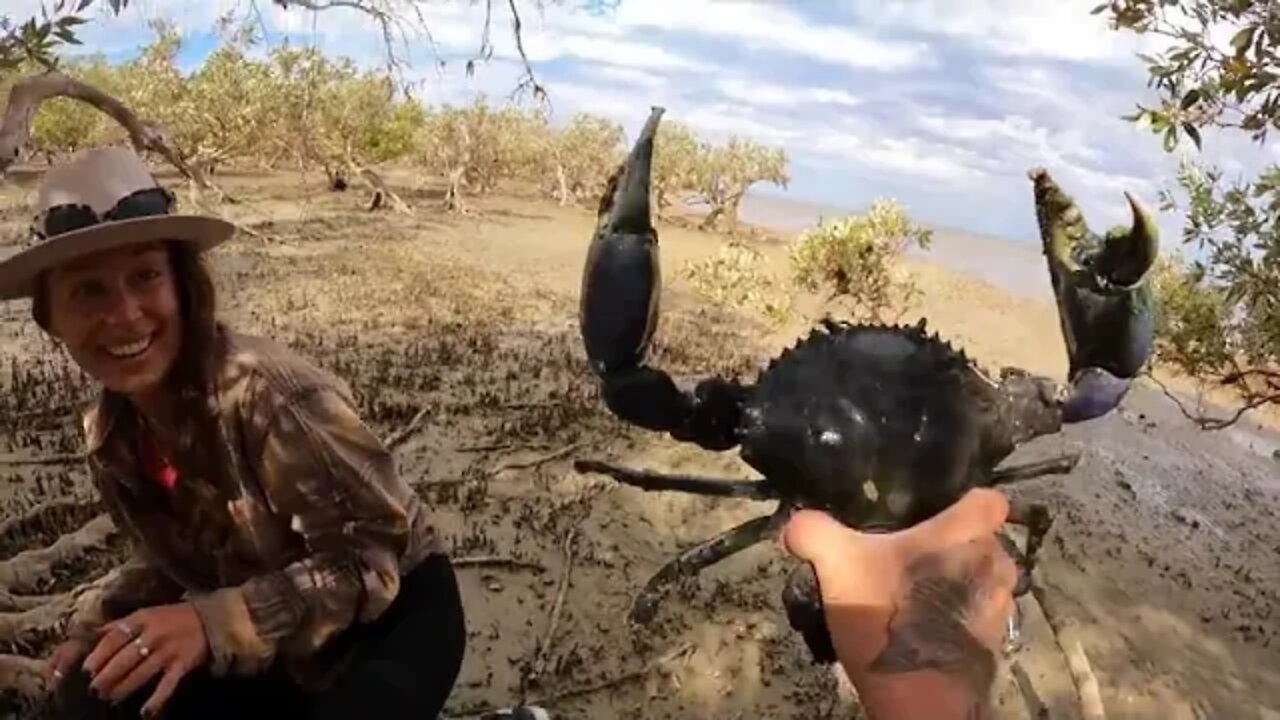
(928, 631)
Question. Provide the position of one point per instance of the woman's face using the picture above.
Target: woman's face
(118, 314)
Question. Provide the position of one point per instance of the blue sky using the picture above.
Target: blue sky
(941, 104)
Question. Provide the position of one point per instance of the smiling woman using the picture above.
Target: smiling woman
(277, 552)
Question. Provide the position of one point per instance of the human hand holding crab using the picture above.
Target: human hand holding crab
(881, 427)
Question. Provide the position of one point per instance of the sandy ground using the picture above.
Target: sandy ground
(1165, 551)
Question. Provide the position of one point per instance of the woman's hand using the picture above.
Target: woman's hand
(63, 658)
(916, 617)
(167, 640)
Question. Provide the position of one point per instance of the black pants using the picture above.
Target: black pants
(405, 666)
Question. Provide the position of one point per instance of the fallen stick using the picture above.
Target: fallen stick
(510, 465)
(485, 448)
(1036, 709)
(398, 437)
(540, 660)
(493, 561)
(535, 462)
(1086, 682)
(1087, 688)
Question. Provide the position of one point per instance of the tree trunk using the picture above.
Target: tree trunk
(453, 194)
(562, 186)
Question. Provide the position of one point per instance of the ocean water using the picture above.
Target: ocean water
(1015, 267)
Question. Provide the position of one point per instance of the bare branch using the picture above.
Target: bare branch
(1205, 422)
(28, 94)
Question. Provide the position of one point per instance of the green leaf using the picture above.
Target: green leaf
(1242, 39)
(1100, 8)
(1193, 133)
(1191, 98)
(1170, 139)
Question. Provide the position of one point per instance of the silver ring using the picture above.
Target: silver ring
(128, 630)
(143, 650)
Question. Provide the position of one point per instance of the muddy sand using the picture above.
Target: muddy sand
(1164, 558)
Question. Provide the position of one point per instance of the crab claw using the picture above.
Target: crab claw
(621, 282)
(1105, 303)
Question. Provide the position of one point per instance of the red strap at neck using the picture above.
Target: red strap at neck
(157, 467)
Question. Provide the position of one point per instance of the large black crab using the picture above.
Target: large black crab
(881, 426)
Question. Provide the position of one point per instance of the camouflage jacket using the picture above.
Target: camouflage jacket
(309, 532)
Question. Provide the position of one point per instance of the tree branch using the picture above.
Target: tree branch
(1205, 422)
(28, 94)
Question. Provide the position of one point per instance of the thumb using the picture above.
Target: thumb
(814, 535)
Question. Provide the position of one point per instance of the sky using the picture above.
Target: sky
(943, 105)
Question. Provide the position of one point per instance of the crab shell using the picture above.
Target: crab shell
(881, 426)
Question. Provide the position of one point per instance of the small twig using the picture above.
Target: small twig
(535, 462)
(485, 448)
(496, 561)
(14, 461)
(1205, 422)
(1086, 682)
(1036, 709)
(398, 437)
(510, 465)
(540, 661)
(1077, 662)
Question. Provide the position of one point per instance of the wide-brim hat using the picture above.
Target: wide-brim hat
(101, 199)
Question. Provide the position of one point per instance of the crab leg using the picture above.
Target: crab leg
(618, 313)
(690, 562)
(1058, 465)
(648, 480)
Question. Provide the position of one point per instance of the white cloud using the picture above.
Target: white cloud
(911, 157)
(756, 92)
(1061, 29)
(617, 52)
(718, 121)
(766, 25)
(630, 76)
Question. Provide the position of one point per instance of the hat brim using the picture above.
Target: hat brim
(19, 272)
